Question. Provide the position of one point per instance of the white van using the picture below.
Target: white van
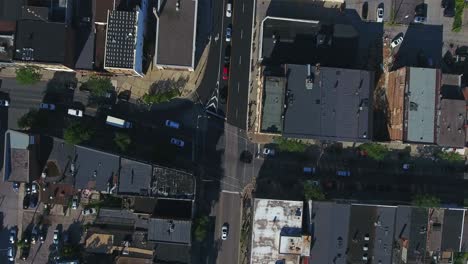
(117, 122)
(228, 10)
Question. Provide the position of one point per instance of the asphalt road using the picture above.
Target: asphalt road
(240, 63)
(229, 212)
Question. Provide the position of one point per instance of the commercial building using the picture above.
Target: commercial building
(176, 30)
(21, 161)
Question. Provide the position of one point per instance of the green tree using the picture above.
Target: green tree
(201, 226)
(77, 133)
(374, 150)
(30, 119)
(28, 75)
(99, 86)
(160, 96)
(425, 200)
(290, 145)
(450, 156)
(122, 140)
(313, 192)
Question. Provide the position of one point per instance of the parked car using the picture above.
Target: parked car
(177, 142)
(27, 188)
(47, 106)
(4, 102)
(26, 201)
(25, 252)
(309, 170)
(172, 124)
(225, 72)
(228, 33)
(56, 237)
(246, 156)
(74, 203)
(13, 235)
(380, 13)
(224, 231)
(89, 211)
(34, 188)
(449, 11)
(16, 186)
(227, 54)
(223, 94)
(419, 19)
(268, 152)
(34, 200)
(343, 173)
(365, 10)
(75, 112)
(34, 235)
(228, 9)
(443, 4)
(396, 42)
(11, 253)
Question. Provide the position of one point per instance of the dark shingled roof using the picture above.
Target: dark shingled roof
(452, 230)
(337, 106)
(169, 231)
(95, 169)
(171, 253)
(361, 225)
(451, 123)
(417, 233)
(121, 39)
(135, 177)
(10, 10)
(40, 41)
(176, 31)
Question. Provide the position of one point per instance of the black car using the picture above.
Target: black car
(223, 94)
(449, 10)
(227, 54)
(25, 252)
(33, 201)
(443, 4)
(26, 201)
(365, 10)
(246, 156)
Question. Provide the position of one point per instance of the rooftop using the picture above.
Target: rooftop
(59, 161)
(272, 220)
(272, 105)
(135, 177)
(395, 98)
(59, 192)
(174, 209)
(452, 230)
(115, 217)
(40, 41)
(328, 103)
(9, 10)
(101, 7)
(17, 156)
(451, 123)
(172, 253)
(176, 33)
(121, 39)
(170, 231)
(95, 169)
(420, 104)
(172, 183)
(7, 47)
(85, 35)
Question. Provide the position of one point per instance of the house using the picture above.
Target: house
(413, 97)
(277, 232)
(451, 122)
(21, 162)
(83, 45)
(124, 41)
(176, 31)
(170, 231)
(328, 103)
(134, 178)
(96, 170)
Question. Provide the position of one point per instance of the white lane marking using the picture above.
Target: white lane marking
(238, 87)
(242, 33)
(224, 191)
(240, 60)
(237, 112)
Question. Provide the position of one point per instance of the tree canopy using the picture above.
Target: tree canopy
(122, 140)
(29, 120)
(375, 151)
(77, 133)
(313, 192)
(425, 200)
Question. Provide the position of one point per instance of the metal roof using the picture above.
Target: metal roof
(121, 39)
(169, 231)
(272, 105)
(336, 106)
(421, 104)
(135, 177)
(176, 33)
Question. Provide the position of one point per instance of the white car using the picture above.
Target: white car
(47, 106)
(396, 42)
(380, 13)
(34, 188)
(89, 211)
(268, 152)
(74, 203)
(12, 236)
(224, 232)
(75, 112)
(4, 102)
(228, 10)
(170, 123)
(56, 237)
(177, 142)
(11, 254)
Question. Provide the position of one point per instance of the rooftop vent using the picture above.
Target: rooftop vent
(413, 106)
(298, 212)
(177, 6)
(309, 82)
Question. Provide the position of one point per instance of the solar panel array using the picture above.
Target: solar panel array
(121, 39)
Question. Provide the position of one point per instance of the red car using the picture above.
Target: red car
(225, 72)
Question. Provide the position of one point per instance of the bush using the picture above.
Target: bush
(77, 133)
(99, 86)
(457, 20)
(313, 192)
(122, 141)
(201, 226)
(374, 150)
(425, 200)
(450, 156)
(290, 145)
(160, 97)
(28, 75)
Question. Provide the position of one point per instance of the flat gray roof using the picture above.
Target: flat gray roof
(336, 107)
(451, 123)
(421, 105)
(273, 101)
(169, 231)
(452, 230)
(330, 232)
(135, 177)
(175, 33)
